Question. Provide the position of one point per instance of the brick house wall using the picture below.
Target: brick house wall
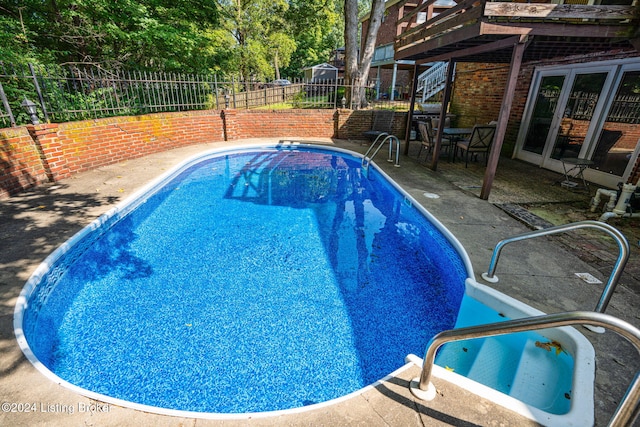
(32, 155)
(478, 90)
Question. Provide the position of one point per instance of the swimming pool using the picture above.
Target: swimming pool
(325, 250)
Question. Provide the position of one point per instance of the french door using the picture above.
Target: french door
(585, 111)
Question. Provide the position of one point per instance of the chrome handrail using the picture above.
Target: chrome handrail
(366, 160)
(623, 254)
(629, 407)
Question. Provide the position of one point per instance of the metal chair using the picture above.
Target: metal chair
(428, 134)
(479, 142)
(426, 139)
(382, 123)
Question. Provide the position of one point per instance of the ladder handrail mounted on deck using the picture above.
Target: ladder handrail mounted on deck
(629, 407)
(623, 255)
(383, 137)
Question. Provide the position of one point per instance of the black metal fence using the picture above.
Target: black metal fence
(72, 93)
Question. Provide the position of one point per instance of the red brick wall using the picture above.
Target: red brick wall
(352, 124)
(32, 155)
(477, 93)
(89, 144)
(20, 163)
(279, 123)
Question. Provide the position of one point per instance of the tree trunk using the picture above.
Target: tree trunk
(357, 72)
(276, 65)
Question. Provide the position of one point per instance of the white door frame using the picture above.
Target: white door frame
(615, 70)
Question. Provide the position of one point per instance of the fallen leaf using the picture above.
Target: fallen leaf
(551, 344)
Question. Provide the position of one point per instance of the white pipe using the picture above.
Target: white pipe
(612, 195)
(620, 209)
(623, 200)
(605, 216)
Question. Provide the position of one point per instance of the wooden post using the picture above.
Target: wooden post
(407, 133)
(503, 119)
(443, 114)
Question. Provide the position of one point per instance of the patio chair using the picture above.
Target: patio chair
(436, 121)
(382, 123)
(479, 142)
(428, 136)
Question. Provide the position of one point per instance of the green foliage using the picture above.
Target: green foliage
(299, 99)
(153, 34)
(317, 27)
(250, 40)
(253, 38)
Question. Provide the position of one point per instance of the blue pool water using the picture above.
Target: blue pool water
(252, 281)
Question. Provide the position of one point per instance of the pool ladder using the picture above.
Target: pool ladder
(623, 255)
(377, 145)
(629, 407)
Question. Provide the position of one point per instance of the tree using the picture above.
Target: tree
(262, 40)
(318, 28)
(157, 34)
(257, 38)
(357, 72)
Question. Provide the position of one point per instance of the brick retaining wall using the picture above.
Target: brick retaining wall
(31, 155)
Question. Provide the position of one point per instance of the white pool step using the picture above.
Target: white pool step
(530, 386)
(514, 366)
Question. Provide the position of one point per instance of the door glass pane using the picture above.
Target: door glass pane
(543, 111)
(578, 112)
(620, 134)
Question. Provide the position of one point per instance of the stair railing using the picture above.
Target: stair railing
(432, 80)
(628, 408)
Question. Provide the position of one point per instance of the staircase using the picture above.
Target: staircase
(525, 366)
(432, 80)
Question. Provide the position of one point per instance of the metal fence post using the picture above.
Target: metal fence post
(233, 91)
(7, 107)
(215, 90)
(40, 97)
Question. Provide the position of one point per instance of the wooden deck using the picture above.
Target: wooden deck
(485, 31)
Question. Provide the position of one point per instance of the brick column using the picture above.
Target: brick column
(45, 137)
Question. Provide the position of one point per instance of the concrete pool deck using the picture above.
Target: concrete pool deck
(539, 272)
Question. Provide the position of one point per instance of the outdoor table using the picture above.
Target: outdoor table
(576, 166)
(455, 135)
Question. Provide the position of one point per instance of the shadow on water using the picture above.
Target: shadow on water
(379, 258)
(104, 251)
